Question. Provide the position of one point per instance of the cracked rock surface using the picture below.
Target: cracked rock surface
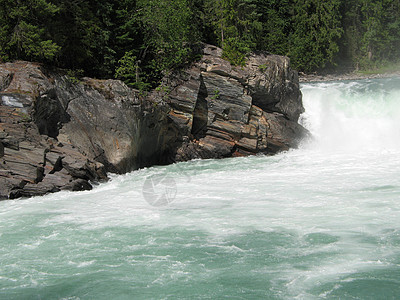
(225, 111)
(60, 134)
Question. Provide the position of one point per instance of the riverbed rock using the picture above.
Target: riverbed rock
(57, 133)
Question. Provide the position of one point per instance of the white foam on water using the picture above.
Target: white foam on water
(307, 222)
(352, 116)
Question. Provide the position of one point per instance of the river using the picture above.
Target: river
(321, 221)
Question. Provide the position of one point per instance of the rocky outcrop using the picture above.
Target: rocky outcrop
(225, 111)
(60, 134)
(30, 163)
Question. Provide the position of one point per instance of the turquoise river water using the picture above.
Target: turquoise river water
(322, 221)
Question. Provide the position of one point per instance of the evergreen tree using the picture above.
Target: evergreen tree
(23, 32)
(165, 34)
(236, 26)
(381, 31)
(372, 32)
(84, 30)
(316, 32)
(275, 17)
(139, 40)
(168, 31)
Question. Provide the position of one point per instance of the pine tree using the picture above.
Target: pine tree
(316, 32)
(236, 26)
(23, 33)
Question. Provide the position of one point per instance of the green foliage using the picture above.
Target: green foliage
(314, 40)
(262, 68)
(372, 33)
(168, 32)
(84, 31)
(27, 39)
(24, 117)
(216, 95)
(139, 41)
(377, 40)
(236, 27)
(235, 51)
(128, 70)
(163, 89)
(75, 76)
(275, 17)
(22, 31)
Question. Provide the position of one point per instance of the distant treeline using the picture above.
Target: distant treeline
(138, 40)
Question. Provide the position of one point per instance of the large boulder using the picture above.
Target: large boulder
(60, 134)
(111, 124)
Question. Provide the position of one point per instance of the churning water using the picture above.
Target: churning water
(322, 221)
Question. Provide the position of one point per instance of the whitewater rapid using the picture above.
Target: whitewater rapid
(322, 221)
(354, 116)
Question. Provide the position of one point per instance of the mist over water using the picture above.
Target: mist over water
(322, 221)
(354, 116)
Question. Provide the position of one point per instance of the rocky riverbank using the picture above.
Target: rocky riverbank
(343, 76)
(58, 133)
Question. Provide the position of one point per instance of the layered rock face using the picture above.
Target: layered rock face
(60, 134)
(31, 163)
(225, 111)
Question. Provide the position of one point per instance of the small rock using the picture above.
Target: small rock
(78, 185)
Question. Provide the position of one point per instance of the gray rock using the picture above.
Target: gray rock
(234, 111)
(27, 167)
(274, 86)
(113, 127)
(56, 134)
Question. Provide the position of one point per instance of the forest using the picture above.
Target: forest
(139, 40)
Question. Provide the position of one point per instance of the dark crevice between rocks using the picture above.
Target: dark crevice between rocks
(58, 166)
(200, 114)
(1, 149)
(155, 145)
(5, 82)
(265, 102)
(49, 114)
(39, 174)
(102, 158)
